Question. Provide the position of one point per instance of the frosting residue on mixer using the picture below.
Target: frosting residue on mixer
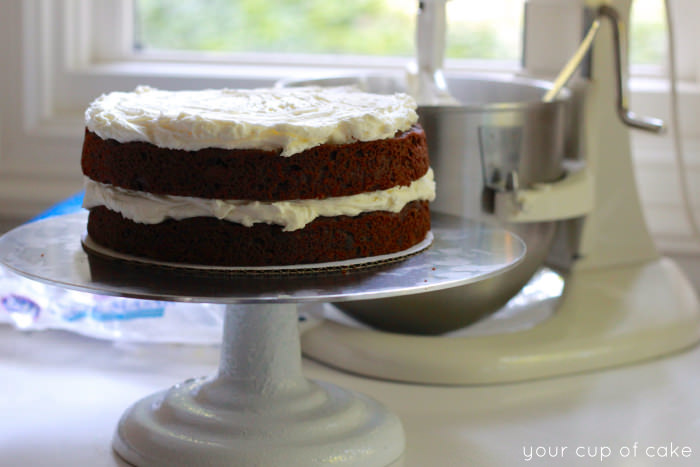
(290, 119)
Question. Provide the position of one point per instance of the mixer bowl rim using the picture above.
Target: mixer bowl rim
(563, 96)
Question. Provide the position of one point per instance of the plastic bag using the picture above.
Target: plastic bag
(32, 305)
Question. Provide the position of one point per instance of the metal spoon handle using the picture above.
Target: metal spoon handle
(574, 62)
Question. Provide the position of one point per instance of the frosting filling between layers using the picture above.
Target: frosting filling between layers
(147, 208)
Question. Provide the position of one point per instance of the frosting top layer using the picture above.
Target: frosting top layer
(290, 119)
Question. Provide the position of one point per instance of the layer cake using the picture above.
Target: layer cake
(256, 177)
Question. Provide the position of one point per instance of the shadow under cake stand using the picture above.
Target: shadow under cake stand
(258, 408)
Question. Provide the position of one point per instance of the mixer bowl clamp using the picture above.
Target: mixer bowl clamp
(567, 198)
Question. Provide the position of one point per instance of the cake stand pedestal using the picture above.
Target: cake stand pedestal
(258, 408)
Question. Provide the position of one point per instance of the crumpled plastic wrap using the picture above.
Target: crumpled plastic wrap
(32, 306)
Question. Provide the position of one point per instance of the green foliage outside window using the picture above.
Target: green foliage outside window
(360, 27)
(477, 29)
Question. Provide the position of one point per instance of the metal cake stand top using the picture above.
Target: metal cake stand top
(462, 252)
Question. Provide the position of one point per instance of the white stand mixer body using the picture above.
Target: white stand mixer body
(622, 302)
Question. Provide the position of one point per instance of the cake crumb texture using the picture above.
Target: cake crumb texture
(328, 170)
(209, 241)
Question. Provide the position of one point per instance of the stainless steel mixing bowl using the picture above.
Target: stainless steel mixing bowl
(501, 137)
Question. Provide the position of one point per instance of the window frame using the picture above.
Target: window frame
(85, 49)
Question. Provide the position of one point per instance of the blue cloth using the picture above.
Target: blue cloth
(67, 206)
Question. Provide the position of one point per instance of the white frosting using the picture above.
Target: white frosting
(147, 208)
(293, 119)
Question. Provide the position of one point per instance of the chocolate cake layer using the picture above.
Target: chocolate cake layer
(328, 170)
(206, 240)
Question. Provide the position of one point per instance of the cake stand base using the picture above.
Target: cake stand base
(259, 409)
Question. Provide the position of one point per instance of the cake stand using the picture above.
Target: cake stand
(258, 408)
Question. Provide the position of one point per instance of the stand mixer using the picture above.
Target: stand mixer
(622, 302)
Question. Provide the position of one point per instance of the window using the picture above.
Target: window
(483, 30)
(647, 30)
(476, 30)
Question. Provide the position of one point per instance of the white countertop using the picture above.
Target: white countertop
(61, 396)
